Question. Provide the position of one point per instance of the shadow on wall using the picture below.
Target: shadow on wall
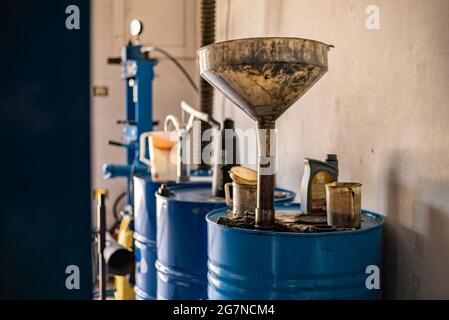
(416, 237)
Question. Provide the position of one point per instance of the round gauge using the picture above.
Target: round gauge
(135, 27)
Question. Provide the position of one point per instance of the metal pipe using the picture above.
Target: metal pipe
(182, 171)
(225, 150)
(100, 195)
(120, 261)
(265, 174)
(111, 171)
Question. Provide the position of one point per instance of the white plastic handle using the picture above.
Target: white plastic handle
(172, 119)
(143, 149)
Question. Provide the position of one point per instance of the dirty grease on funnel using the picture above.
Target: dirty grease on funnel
(265, 91)
(264, 76)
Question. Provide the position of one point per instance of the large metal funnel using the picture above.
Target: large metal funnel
(264, 77)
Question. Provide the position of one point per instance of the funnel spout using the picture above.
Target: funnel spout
(266, 169)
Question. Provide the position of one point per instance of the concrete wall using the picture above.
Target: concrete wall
(383, 107)
(169, 24)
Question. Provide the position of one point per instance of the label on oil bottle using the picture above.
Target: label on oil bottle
(319, 191)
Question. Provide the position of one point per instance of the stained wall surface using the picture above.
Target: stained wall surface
(383, 108)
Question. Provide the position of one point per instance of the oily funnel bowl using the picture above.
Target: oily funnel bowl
(263, 76)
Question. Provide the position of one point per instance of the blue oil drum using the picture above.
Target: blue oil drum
(182, 240)
(256, 264)
(145, 237)
(145, 251)
(145, 273)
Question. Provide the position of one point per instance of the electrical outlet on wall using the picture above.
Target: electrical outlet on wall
(100, 91)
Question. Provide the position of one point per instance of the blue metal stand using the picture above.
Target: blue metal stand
(137, 73)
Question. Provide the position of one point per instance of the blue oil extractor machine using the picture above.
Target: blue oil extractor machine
(137, 72)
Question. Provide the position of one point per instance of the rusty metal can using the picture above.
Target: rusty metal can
(343, 204)
(243, 201)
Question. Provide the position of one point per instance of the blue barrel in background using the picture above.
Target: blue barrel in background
(182, 240)
(145, 237)
(255, 264)
(145, 273)
(145, 231)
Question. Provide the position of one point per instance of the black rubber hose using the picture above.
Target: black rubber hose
(206, 90)
(180, 67)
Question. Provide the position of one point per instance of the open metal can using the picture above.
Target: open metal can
(343, 204)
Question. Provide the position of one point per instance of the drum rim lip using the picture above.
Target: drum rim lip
(203, 185)
(189, 185)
